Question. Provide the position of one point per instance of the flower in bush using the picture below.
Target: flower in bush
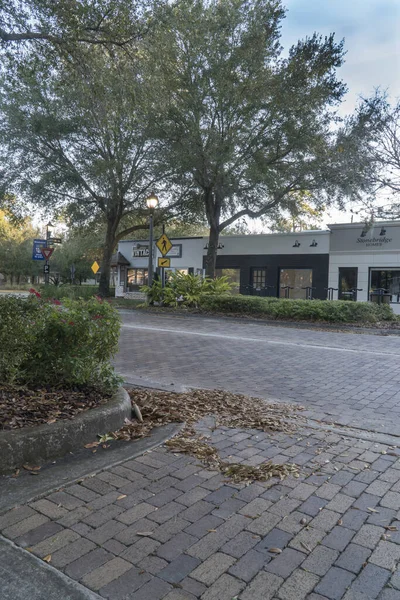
(55, 301)
(33, 291)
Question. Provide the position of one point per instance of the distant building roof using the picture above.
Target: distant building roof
(119, 259)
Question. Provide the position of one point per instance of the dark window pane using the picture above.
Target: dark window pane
(233, 276)
(296, 279)
(387, 279)
(347, 282)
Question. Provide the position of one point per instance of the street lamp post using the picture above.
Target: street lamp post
(48, 233)
(152, 203)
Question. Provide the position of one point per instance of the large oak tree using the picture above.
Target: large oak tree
(77, 140)
(244, 124)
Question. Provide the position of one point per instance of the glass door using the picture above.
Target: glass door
(258, 281)
(348, 277)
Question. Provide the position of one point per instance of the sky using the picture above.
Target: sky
(371, 30)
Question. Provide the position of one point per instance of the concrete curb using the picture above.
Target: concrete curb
(77, 466)
(36, 445)
(23, 576)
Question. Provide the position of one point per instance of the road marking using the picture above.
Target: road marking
(239, 338)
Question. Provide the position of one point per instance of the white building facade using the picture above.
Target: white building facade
(346, 262)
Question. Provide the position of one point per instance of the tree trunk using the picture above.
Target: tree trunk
(108, 250)
(211, 257)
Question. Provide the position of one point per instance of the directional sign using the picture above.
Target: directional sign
(164, 262)
(164, 244)
(54, 241)
(36, 253)
(95, 267)
(47, 252)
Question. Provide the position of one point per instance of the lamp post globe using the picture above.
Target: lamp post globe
(152, 203)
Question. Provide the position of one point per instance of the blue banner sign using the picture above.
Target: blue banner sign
(36, 253)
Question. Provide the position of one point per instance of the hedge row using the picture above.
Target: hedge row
(334, 311)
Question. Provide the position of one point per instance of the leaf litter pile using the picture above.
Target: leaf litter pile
(24, 407)
(230, 410)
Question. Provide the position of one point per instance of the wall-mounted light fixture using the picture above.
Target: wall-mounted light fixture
(313, 244)
(296, 244)
(383, 231)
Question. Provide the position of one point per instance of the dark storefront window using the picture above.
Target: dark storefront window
(296, 279)
(136, 278)
(347, 282)
(387, 279)
(233, 276)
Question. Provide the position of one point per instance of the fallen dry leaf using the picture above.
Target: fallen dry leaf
(121, 496)
(91, 445)
(47, 558)
(391, 528)
(144, 533)
(372, 509)
(275, 550)
(305, 546)
(30, 468)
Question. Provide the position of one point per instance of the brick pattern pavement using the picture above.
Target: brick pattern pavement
(162, 527)
(349, 379)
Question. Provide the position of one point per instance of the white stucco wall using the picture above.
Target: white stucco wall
(275, 243)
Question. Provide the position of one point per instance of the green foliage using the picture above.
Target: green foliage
(73, 292)
(19, 322)
(186, 289)
(67, 344)
(334, 311)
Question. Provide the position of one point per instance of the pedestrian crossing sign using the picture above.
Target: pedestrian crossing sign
(164, 244)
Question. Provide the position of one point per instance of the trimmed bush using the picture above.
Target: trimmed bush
(66, 345)
(333, 311)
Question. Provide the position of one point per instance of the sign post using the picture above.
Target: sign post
(164, 245)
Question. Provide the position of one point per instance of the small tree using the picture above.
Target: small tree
(244, 126)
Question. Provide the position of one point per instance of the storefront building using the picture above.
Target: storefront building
(366, 260)
(345, 262)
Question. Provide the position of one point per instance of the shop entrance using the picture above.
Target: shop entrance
(348, 277)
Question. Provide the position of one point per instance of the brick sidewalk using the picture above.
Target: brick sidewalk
(163, 527)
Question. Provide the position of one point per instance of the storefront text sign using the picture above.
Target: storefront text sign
(374, 241)
(140, 252)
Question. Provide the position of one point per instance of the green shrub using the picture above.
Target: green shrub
(68, 344)
(71, 291)
(334, 311)
(186, 289)
(19, 322)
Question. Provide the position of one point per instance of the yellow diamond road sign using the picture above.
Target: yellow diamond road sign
(95, 267)
(164, 244)
(164, 262)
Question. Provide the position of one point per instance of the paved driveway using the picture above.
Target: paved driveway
(351, 379)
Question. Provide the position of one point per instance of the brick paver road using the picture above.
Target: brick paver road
(162, 527)
(351, 379)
